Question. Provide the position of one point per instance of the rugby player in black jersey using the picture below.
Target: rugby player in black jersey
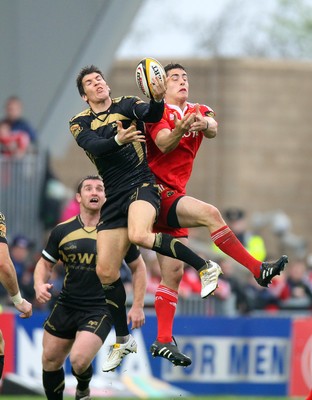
(111, 132)
(80, 320)
(9, 280)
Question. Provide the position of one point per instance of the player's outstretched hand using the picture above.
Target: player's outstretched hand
(200, 123)
(128, 135)
(184, 124)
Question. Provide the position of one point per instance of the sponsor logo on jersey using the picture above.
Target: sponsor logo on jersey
(92, 323)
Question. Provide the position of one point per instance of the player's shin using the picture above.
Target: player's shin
(54, 384)
(169, 246)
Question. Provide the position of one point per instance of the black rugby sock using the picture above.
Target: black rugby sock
(169, 246)
(116, 299)
(54, 384)
(84, 379)
(1, 364)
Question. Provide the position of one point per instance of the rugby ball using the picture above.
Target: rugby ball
(146, 70)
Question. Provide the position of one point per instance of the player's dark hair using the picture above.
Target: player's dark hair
(92, 177)
(90, 69)
(171, 66)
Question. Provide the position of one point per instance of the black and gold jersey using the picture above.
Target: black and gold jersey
(75, 245)
(121, 167)
(3, 238)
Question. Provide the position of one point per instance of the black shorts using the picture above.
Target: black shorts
(64, 322)
(114, 213)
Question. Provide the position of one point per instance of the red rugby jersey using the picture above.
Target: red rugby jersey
(174, 169)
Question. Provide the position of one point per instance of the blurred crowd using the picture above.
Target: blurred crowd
(17, 136)
(238, 292)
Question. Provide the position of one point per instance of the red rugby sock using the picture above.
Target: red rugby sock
(166, 301)
(226, 240)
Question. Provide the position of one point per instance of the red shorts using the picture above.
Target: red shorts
(167, 221)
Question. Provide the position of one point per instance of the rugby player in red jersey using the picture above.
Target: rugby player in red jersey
(172, 145)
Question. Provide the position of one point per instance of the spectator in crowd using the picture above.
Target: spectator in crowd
(70, 209)
(14, 116)
(12, 144)
(190, 283)
(54, 194)
(259, 298)
(230, 298)
(248, 295)
(21, 254)
(291, 291)
(253, 242)
(231, 288)
(296, 290)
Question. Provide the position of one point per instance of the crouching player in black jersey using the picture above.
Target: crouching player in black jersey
(80, 320)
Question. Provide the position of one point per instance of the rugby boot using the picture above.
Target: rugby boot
(171, 352)
(270, 269)
(209, 275)
(83, 394)
(117, 352)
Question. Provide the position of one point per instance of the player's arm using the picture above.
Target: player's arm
(167, 139)
(7, 271)
(139, 283)
(98, 146)
(205, 123)
(149, 112)
(9, 281)
(88, 140)
(42, 274)
(212, 128)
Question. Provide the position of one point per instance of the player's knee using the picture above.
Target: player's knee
(105, 273)
(79, 364)
(212, 215)
(138, 238)
(50, 362)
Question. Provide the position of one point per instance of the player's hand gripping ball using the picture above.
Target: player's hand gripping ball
(146, 70)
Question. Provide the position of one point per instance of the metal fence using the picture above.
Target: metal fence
(21, 187)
